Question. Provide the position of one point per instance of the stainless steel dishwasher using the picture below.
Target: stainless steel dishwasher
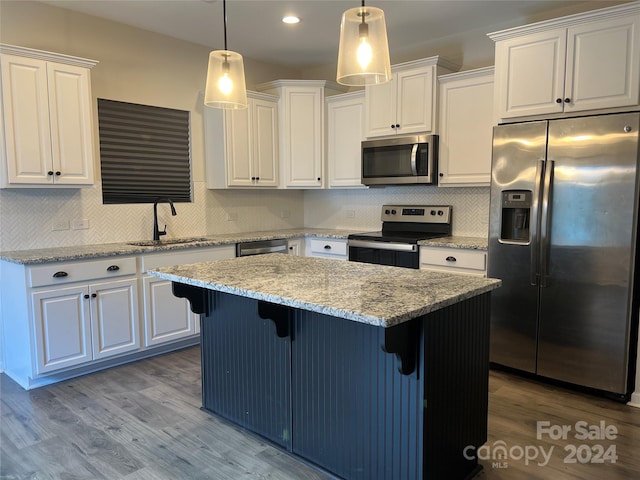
(260, 247)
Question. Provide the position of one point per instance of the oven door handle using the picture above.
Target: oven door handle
(399, 247)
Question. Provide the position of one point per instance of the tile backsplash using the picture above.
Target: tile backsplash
(28, 216)
(360, 209)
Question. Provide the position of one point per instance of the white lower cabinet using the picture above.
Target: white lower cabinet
(295, 247)
(326, 248)
(78, 324)
(84, 311)
(454, 260)
(166, 317)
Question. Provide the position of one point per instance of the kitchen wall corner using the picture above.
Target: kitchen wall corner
(359, 209)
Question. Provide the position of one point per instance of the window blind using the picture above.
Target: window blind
(144, 153)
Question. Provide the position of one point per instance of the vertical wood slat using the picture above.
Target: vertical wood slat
(354, 413)
(456, 362)
(246, 369)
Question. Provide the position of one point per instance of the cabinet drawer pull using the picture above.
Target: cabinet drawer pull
(60, 274)
(113, 268)
(451, 259)
(327, 247)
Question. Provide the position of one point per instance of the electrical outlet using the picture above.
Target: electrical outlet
(59, 225)
(80, 224)
(285, 214)
(351, 214)
(232, 216)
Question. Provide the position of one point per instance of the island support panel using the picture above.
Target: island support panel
(327, 391)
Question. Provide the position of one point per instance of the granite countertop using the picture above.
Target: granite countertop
(79, 252)
(56, 254)
(472, 243)
(374, 294)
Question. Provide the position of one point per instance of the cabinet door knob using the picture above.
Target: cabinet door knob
(86, 296)
(60, 274)
(451, 259)
(558, 100)
(50, 172)
(257, 179)
(318, 178)
(393, 126)
(567, 100)
(94, 295)
(397, 125)
(441, 174)
(58, 174)
(113, 268)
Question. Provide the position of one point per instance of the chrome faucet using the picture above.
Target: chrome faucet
(156, 231)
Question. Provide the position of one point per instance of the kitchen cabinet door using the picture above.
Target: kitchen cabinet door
(345, 132)
(241, 146)
(302, 136)
(603, 64)
(407, 104)
(402, 106)
(62, 327)
(530, 72)
(466, 128)
(48, 123)
(167, 317)
(572, 64)
(114, 317)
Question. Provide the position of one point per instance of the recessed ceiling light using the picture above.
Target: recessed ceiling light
(291, 19)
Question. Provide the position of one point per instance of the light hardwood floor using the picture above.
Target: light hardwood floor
(142, 421)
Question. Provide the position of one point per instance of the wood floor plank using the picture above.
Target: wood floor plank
(143, 421)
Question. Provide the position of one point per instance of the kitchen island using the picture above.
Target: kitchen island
(366, 371)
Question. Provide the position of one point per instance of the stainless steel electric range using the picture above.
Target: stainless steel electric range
(403, 226)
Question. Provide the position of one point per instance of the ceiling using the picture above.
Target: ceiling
(255, 29)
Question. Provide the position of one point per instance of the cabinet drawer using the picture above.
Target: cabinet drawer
(453, 258)
(321, 246)
(193, 255)
(67, 272)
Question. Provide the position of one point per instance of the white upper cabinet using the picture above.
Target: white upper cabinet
(582, 62)
(466, 128)
(345, 132)
(48, 119)
(301, 124)
(242, 145)
(406, 104)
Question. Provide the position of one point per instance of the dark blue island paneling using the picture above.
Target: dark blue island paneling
(359, 401)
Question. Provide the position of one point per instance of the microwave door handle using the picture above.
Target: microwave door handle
(414, 155)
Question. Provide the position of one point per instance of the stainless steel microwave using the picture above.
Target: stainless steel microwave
(400, 160)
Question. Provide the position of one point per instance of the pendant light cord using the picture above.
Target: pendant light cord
(224, 13)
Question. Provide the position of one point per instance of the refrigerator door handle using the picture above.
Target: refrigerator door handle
(534, 222)
(545, 222)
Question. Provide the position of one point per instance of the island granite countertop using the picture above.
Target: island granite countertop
(374, 294)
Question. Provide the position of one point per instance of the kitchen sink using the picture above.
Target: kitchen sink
(174, 241)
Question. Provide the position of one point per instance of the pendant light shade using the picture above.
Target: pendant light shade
(226, 87)
(363, 55)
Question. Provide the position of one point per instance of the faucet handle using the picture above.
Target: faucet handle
(163, 232)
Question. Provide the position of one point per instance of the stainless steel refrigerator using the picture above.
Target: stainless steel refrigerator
(562, 237)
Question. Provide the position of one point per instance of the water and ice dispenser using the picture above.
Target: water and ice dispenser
(516, 214)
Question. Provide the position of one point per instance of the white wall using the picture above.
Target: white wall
(140, 67)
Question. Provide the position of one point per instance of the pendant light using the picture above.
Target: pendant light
(363, 55)
(225, 77)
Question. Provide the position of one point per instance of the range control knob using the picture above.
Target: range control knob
(432, 212)
(393, 212)
(440, 213)
(387, 211)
